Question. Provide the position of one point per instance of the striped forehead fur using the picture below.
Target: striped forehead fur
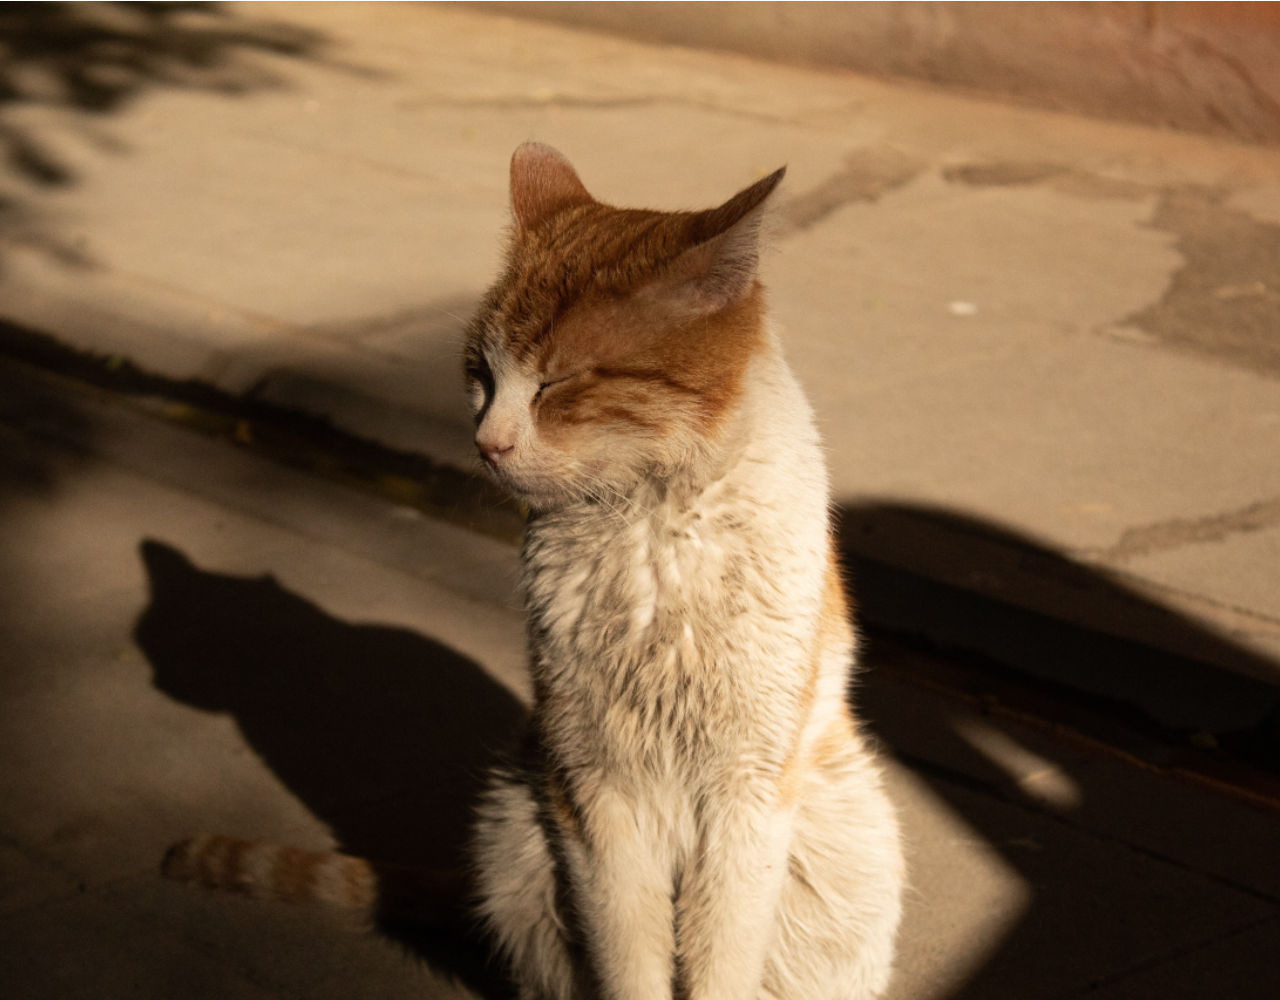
(592, 287)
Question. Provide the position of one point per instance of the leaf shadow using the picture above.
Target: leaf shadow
(92, 60)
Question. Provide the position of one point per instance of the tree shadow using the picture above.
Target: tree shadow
(94, 58)
(1116, 872)
(383, 734)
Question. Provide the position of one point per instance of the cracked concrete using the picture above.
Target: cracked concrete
(867, 175)
(1173, 534)
(1050, 327)
(1224, 301)
(199, 639)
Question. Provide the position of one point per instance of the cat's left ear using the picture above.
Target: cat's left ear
(720, 265)
(543, 182)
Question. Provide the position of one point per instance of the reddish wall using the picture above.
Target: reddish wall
(1210, 67)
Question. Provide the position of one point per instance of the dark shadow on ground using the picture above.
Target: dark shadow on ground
(1113, 875)
(383, 734)
(93, 58)
(28, 414)
(968, 584)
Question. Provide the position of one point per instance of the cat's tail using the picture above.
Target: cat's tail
(266, 871)
(269, 871)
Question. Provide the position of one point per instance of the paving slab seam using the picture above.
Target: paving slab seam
(562, 100)
(1024, 706)
(1172, 955)
(1208, 604)
(941, 772)
(181, 424)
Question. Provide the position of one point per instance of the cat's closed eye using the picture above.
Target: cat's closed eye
(480, 385)
(559, 380)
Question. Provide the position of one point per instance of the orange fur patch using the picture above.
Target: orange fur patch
(631, 361)
(834, 629)
(565, 812)
(293, 876)
(604, 304)
(835, 746)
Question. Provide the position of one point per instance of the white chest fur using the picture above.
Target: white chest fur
(686, 618)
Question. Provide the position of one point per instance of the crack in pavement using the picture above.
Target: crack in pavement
(1165, 535)
(867, 174)
(936, 772)
(1171, 956)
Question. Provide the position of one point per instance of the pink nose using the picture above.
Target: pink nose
(493, 451)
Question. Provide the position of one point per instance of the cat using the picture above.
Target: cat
(695, 812)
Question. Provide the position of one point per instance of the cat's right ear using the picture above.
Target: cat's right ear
(720, 266)
(543, 183)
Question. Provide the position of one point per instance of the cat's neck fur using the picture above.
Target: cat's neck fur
(767, 449)
(643, 604)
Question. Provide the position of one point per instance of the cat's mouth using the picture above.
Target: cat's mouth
(543, 492)
(536, 491)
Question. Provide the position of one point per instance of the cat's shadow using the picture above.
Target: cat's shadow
(385, 735)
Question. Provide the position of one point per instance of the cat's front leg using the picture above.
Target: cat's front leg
(728, 904)
(621, 866)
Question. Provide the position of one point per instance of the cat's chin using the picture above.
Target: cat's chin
(548, 495)
(535, 493)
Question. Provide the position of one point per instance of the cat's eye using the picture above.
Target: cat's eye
(560, 380)
(481, 386)
(477, 370)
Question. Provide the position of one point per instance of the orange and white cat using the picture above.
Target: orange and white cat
(696, 813)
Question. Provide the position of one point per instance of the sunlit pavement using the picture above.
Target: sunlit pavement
(1058, 331)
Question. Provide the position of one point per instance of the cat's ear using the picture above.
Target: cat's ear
(720, 265)
(543, 183)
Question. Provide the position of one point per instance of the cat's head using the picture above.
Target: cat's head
(613, 347)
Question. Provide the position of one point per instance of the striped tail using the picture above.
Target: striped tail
(429, 909)
(422, 896)
(266, 871)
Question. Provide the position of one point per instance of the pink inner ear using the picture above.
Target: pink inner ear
(543, 183)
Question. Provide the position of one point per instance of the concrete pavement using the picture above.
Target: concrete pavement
(197, 638)
(1030, 338)
(1042, 349)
